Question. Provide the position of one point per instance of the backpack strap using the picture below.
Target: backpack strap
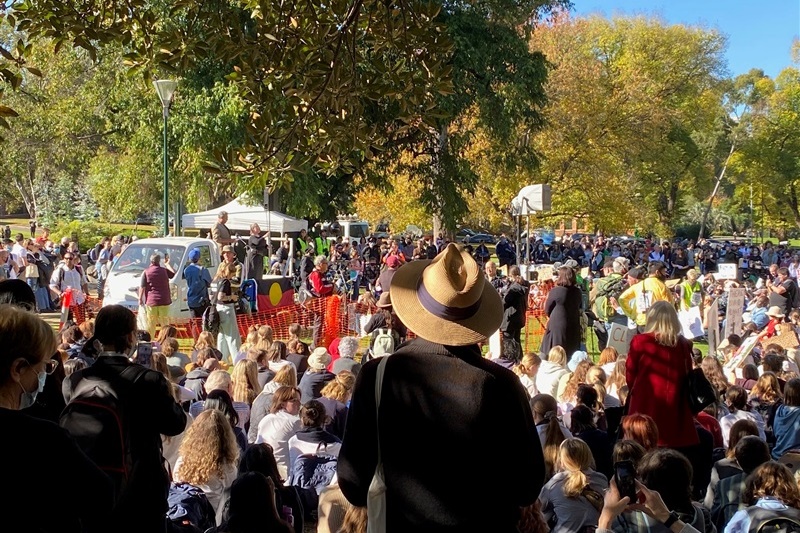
(378, 390)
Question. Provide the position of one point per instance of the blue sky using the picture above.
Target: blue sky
(760, 32)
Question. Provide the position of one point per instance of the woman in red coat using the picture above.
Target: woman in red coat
(656, 369)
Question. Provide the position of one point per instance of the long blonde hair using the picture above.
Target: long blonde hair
(245, 381)
(208, 447)
(205, 340)
(617, 377)
(574, 456)
(251, 338)
(557, 355)
(663, 323)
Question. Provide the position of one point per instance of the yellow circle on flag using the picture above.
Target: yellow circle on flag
(275, 293)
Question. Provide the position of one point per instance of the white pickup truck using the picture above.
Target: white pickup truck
(125, 276)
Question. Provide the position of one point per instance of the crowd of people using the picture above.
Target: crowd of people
(417, 425)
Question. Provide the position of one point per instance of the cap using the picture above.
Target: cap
(392, 261)
(227, 248)
(194, 255)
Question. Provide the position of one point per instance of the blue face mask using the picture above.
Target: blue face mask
(26, 399)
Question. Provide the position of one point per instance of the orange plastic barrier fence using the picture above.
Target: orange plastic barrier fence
(324, 318)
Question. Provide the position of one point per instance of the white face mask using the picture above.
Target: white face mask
(26, 399)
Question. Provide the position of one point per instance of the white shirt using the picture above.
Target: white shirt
(276, 430)
(72, 278)
(529, 385)
(19, 253)
(727, 421)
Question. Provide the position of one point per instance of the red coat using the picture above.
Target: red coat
(655, 376)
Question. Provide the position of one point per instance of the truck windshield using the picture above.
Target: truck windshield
(359, 230)
(136, 257)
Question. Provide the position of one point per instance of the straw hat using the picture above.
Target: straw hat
(775, 312)
(447, 300)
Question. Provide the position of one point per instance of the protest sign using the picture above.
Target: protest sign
(619, 338)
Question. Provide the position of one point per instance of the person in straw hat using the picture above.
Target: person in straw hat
(447, 416)
(776, 316)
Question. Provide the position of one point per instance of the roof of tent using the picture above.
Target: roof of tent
(240, 216)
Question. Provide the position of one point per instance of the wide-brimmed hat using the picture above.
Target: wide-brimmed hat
(385, 301)
(227, 248)
(319, 359)
(447, 300)
(775, 312)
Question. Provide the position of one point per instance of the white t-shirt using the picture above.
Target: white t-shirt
(276, 430)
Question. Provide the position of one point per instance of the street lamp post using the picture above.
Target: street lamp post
(166, 92)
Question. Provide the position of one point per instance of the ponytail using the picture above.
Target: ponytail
(554, 438)
(575, 483)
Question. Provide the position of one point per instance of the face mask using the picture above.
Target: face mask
(26, 399)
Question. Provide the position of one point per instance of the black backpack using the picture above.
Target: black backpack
(773, 520)
(96, 419)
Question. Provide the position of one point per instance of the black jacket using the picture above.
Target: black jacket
(459, 447)
(151, 412)
(515, 303)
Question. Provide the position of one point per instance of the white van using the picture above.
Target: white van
(125, 276)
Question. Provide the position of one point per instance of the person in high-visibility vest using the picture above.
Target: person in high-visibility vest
(300, 251)
(691, 291)
(321, 244)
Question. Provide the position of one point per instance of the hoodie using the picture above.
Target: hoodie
(196, 380)
(786, 428)
(548, 376)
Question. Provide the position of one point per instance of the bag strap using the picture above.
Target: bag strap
(378, 387)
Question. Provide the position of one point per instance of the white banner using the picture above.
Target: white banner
(691, 323)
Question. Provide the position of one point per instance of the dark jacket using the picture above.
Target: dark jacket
(337, 413)
(151, 412)
(447, 419)
(515, 303)
(66, 493)
(312, 384)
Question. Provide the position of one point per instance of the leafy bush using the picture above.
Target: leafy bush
(90, 233)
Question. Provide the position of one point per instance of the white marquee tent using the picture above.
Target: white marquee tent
(240, 216)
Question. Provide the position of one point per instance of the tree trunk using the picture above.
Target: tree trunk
(26, 191)
(714, 193)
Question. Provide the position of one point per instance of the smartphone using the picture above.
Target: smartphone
(625, 478)
(144, 353)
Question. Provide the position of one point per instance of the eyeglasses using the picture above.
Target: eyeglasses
(49, 366)
(70, 258)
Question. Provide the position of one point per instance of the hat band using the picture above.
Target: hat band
(445, 312)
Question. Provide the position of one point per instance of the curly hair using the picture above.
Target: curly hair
(617, 377)
(245, 381)
(577, 378)
(209, 446)
(772, 479)
(340, 388)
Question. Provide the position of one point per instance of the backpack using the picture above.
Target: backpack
(92, 256)
(189, 509)
(211, 319)
(96, 419)
(612, 289)
(311, 473)
(773, 520)
(383, 343)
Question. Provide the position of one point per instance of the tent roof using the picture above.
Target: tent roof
(240, 216)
